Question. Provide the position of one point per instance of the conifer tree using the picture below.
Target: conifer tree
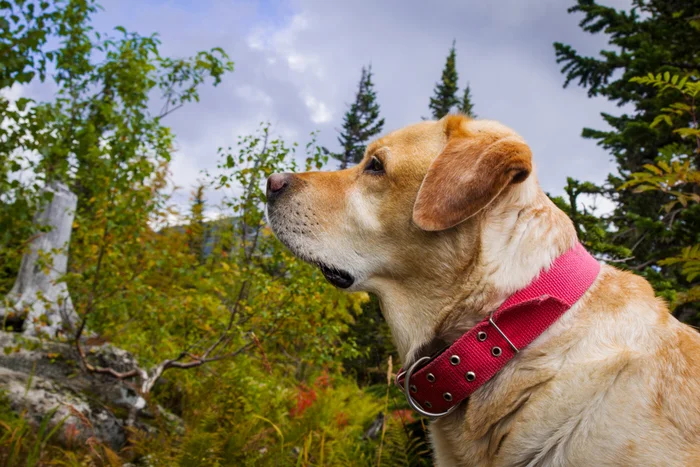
(196, 230)
(361, 122)
(445, 93)
(657, 37)
(467, 106)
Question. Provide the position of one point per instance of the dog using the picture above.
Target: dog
(443, 221)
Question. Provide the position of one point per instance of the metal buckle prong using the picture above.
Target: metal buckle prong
(493, 323)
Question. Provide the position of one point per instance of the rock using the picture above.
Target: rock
(81, 420)
(38, 377)
(38, 292)
(375, 428)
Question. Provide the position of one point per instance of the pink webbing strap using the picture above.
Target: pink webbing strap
(483, 351)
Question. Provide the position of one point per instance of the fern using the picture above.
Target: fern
(689, 259)
(403, 448)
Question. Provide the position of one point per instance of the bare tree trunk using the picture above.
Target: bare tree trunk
(37, 291)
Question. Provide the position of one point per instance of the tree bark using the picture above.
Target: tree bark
(37, 290)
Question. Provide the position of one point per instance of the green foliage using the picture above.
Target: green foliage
(654, 190)
(373, 338)
(175, 287)
(97, 135)
(247, 294)
(467, 106)
(402, 440)
(592, 230)
(25, 28)
(676, 170)
(669, 178)
(402, 448)
(197, 229)
(445, 92)
(248, 416)
(690, 259)
(26, 443)
(688, 88)
(360, 123)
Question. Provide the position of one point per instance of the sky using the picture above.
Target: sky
(297, 63)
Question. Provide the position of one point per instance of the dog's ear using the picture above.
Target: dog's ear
(472, 170)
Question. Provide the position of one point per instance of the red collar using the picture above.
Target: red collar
(436, 388)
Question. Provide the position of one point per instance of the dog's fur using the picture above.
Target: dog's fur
(458, 223)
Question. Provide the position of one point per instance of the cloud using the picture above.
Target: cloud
(318, 109)
(253, 95)
(298, 62)
(13, 93)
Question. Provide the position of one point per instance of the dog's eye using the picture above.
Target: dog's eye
(374, 166)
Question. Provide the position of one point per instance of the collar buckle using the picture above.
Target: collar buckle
(407, 392)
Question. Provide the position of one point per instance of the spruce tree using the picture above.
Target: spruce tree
(361, 122)
(197, 229)
(445, 93)
(467, 106)
(655, 36)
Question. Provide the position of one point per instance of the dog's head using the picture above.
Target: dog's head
(414, 198)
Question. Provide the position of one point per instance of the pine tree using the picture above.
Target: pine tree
(445, 93)
(197, 229)
(591, 229)
(361, 122)
(655, 36)
(466, 106)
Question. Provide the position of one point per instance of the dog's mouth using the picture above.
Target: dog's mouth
(337, 277)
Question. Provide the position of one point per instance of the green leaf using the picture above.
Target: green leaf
(653, 168)
(21, 103)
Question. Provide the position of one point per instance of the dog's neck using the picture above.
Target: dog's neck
(493, 257)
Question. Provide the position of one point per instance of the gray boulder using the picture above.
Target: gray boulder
(38, 377)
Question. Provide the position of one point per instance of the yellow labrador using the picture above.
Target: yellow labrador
(444, 221)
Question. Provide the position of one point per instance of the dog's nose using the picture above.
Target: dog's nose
(276, 185)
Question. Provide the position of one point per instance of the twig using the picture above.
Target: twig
(95, 279)
(232, 315)
(148, 379)
(639, 267)
(169, 111)
(609, 260)
(102, 370)
(681, 65)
